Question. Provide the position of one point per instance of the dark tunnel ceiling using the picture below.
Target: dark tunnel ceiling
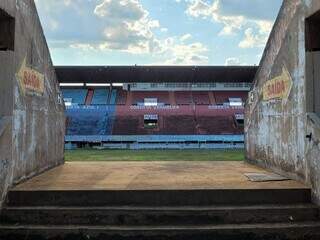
(127, 74)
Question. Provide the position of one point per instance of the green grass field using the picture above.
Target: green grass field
(154, 155)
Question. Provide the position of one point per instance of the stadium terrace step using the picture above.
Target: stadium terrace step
(207, 197)
(251, 214)
(161, 216)
(287, 231)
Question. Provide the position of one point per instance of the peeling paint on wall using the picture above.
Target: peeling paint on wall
(33, 140)
(276, 132)
(30, 81)
(278, 87)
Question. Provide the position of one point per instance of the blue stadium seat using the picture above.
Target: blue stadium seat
(93, 120)
(113, 97)
(100, 97)
(78, 96)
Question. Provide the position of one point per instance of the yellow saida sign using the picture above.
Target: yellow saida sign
(30, 80)
(278, 87)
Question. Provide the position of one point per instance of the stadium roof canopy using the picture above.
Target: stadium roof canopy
(128, 74)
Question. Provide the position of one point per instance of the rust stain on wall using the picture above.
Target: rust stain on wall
(32, 113)
(277, 121)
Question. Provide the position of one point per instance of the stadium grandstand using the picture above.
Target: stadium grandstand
(153, 107)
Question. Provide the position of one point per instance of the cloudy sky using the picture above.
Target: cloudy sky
(157, 32)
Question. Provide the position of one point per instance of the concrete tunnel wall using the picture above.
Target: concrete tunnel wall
(278, 119)
(32, 123)
(32, 113)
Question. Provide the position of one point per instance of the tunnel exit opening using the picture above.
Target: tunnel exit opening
(313, 63)
(7, 29)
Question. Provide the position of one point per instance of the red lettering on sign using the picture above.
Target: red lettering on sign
(276, 88)
(31, 80)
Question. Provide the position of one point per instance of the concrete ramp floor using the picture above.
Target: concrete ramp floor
(158, 201)
(151, 176)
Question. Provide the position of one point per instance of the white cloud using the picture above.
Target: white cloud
(115, 25)
(124, 10)
(128, 26)
(192, 54)
(234, 61)
(185, 37)
(53, 24)
(199, 8)
(252, 40)
(55, 6)
(82, 46)
(265, 27)
(256, 31)
(176, 52)
(122, 25)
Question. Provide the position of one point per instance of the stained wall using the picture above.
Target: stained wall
(32, 122)
(278, 113)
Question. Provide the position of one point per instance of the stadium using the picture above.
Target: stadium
(155, 107)
(105, 116)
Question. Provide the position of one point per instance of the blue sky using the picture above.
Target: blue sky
(157, 32)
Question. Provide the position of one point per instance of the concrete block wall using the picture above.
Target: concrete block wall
(32, 122)
(276, 128)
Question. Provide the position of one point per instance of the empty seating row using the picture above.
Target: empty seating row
(201, 98)
(88, 123)
(77, 96)
(100, 97)
(223, 96)
(113, 97)
(178, 125)
(188, 98)
(122, 97)
(119, 97)
(217, 125)
(183, 98)
(126, 126)
(95, 121)
(140, 96)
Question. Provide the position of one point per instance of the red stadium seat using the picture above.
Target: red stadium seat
(184, 98)
(139, 96)
(122, 97)
(179, 125)
(223, 96)
(217, 125)
(192, 117)
(126, 126)
(201, 98)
